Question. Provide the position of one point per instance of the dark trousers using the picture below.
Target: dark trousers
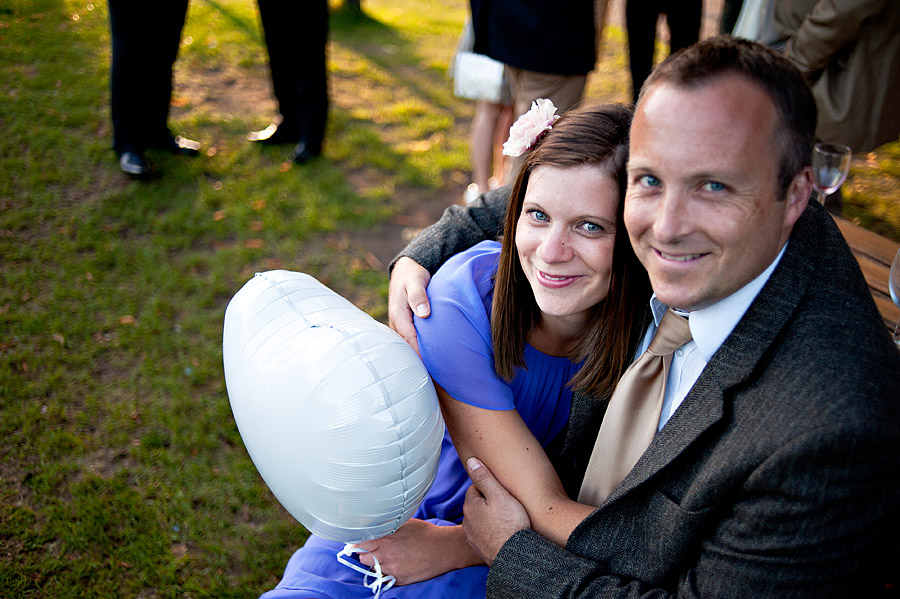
(145, 41)
(296, 35)
(683, 18)
(731, 10)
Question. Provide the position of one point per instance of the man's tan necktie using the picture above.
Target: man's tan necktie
(633, 413)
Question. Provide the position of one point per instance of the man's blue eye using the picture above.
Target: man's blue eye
(650, 180)
(715, 186)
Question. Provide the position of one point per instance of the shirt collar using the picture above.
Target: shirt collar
(710, 326)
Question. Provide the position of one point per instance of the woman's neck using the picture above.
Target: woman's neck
(557, 336)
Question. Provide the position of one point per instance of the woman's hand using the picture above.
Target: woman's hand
(420, 550)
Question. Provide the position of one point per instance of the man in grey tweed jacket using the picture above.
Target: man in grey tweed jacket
(779, 473)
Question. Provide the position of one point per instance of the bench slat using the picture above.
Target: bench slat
(874, 254)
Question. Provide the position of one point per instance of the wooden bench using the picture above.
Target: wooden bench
(874, 254)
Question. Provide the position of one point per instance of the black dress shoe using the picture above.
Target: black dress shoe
(303, 154)
(274, 135)
(134, 165)
(178, 145)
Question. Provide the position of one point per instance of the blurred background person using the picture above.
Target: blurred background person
(548, 48)
(849, 52)
(730, 11)
(490, 128)
(641, 17)
(145, 41)
(493, 112)
(754, 22)
(296, 35)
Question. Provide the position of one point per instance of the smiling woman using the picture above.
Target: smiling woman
(516, 329)
(566, 287)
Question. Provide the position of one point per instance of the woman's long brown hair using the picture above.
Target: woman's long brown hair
(595, 135)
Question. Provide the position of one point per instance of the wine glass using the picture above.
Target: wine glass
(894, 286)
(831, 163)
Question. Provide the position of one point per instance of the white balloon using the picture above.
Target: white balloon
(337, 412)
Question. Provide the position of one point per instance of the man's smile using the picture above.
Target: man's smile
(679, 257)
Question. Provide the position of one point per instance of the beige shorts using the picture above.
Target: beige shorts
(565, 91)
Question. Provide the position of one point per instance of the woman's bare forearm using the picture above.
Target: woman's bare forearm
(500, 439)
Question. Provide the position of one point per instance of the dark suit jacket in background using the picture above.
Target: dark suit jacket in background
(778, 476)
(537, 35)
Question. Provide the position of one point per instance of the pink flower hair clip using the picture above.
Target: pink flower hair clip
(530, 127)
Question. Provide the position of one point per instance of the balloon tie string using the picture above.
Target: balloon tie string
(379, 583)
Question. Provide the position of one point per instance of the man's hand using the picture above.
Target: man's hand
(419, 550)
(490, 515)
(406, 294)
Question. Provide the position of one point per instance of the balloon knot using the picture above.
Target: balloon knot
(380, 582)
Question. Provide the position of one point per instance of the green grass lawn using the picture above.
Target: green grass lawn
(121, 471)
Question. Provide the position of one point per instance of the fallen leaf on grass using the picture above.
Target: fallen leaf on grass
(102, 338)
(60, 339)
(338, 243)
(254, 244)
(127, 319)
(373, 262)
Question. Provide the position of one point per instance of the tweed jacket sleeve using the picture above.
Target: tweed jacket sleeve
(458, 229)
(778, 544)
(779, 474)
